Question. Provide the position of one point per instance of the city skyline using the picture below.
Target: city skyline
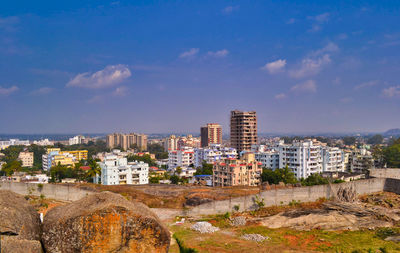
(172, 67)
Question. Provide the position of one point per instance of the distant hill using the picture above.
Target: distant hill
(392, 132)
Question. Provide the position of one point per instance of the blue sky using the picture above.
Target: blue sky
(172, 66)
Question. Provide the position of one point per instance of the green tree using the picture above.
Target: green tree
(10, 167)
(376, 139)
(174, 179)
(206, 169)
(178, 170)
(314, 179)
(284, 175)
(391, 155)
(349, 140)
(94, 170)
(144, 158)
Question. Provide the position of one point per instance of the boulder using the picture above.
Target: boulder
(19, 224)
(104, 222)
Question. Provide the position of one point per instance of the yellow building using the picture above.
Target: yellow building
(78, 154)
(64, 159)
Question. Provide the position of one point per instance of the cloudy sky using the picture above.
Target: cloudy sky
(172, 66)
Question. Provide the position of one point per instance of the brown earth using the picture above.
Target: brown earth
(172, 196)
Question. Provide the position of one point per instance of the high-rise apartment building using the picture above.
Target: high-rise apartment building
(211, 134)
(243, 130)
(127, 141)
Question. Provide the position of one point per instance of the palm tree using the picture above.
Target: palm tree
(94, 169)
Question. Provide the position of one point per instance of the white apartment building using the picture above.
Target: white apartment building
(26, 158)
(13, 142)
(213, 154)
(333, 159)
(44, 142)
(79, 139)
(361, 160)
(116, 170)
(269, 159)
(302, 157)
(183, 157)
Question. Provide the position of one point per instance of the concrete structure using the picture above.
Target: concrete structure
(202, 180)
(171, 143)
(269, 159)
(361, 160)
(332, 159)
(183, 158)
(76, 140)
(212, 154)
(55, 156)
(26, 158)
(243, 130)
(13, 142)
(127, 141)
(211, 134)
(231, 172)
(302, 157)
(116, 171)
(44, 142)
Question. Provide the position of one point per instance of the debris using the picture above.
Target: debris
(238, 221)
(204, 227)
(255, 237)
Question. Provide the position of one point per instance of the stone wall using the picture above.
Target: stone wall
(51, 191)
(385, 173)
(285, 196)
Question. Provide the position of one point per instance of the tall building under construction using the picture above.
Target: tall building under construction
(243, 130)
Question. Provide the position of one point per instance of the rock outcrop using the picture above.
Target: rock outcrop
(19, 224)
(335, 216)
(104, 222)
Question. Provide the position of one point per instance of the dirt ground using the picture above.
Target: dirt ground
(173, 196)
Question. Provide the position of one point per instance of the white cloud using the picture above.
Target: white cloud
(329, 48)
(187, 54)
(230, 9)
(8, 91)
(280, 96)
(121, 91)
(219, 53)
(307, 86)
(366, 84)
(96, 99)
(318, 21)
(275, 66)
(310, 66)
(322, 18)
(291, 21)
(391, 92)
(42, 91)
(107, 77)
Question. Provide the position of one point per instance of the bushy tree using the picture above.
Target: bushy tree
(206, 169)
(144, 158)
(10, 167)
(391, 155)
(376, 139)
(284, 175)
(314, 179)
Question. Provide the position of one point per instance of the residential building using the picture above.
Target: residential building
(231, 172)
(183, 158)
(333, 159)
(127, 141)
(243, 130)
(302, 157)
(116, 170)
(26, 158)
(213, 153)
(55, 156)
(13, 142)
(76, 140)
(44, 142)
(211, 134)
(171, 143)
(361, 160)
(268, 158)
